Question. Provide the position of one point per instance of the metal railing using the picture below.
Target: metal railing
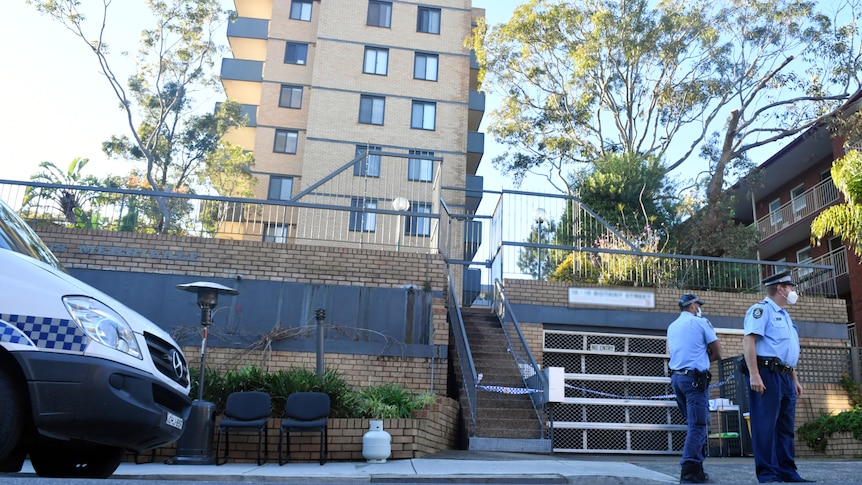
(465, 356)
(350, 208)
(531, 372)
(809, 202)
(574, 244)
(571, 243)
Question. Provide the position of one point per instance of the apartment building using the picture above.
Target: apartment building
(793, 187)
(362, 114)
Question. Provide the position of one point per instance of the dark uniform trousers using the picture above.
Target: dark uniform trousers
(772, 426)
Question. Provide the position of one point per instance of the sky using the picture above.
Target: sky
(59, 106)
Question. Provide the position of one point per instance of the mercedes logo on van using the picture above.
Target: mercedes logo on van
(177, 363)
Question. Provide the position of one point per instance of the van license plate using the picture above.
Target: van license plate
(175, 421)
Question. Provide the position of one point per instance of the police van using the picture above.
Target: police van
(82, 377)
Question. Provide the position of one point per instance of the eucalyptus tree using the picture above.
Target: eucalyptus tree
(174, 62)
(672, 79)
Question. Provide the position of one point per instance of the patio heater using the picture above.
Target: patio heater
(195, 446)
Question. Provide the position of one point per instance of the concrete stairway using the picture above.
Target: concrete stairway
(505, 422)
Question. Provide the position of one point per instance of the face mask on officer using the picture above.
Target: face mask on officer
(792, 297)
(699, 312)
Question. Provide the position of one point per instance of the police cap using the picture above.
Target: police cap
(688, 298)
(782, 278)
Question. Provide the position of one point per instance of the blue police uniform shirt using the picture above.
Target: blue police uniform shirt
(777, 336)
(687, 337)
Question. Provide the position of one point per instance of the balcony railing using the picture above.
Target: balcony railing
(810, 202)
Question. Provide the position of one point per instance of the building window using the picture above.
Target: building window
(361, 221)
(775, 216)
(376, 61)
(276, 233)
(300, 10)
(797, 196)
(280, 188)
(428, 20)
(285, 141)
(420, 169)
(804, 256)
(290, 97)
(425, 66)
(296, 53)
(416, 225)
(379, 13)
(368, 165)
(371, 109)
(424, 115)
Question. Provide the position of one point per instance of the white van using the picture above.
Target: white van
(82, 377)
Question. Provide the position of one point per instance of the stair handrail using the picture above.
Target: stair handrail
(465, 356)
(537, 383)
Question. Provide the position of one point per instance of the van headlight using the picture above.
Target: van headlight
(102, 324)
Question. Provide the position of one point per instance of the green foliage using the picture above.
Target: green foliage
(174, 61)
(388, 401)
(391, 401)
(853, 388)
(816, 432)
(845, 219)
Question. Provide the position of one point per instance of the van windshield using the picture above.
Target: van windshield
(16, 235)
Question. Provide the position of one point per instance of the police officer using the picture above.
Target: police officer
(771, 351)
(693, 345)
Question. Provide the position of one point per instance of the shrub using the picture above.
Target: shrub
(386, 401)
(391, 401)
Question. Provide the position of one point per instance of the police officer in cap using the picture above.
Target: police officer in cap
(771, 351)
(693, 344)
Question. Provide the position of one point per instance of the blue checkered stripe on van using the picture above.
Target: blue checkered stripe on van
(47, 333)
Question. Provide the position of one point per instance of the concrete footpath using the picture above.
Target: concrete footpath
(486, 467)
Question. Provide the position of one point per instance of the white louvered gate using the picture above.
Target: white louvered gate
(614, 389)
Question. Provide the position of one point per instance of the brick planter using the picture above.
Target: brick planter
(840, 445)
(430, 430)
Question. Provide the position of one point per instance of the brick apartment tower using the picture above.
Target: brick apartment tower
(322, 80)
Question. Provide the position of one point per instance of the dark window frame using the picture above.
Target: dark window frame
(379, 14)
(367, 166)
(369, 100)
(294, 52)
(361, 221)
(424, 105)
(299, 11)
(276, 186)
(425, 56)
(286, 133)
(290, 99)
(425, 17)
(377, 51)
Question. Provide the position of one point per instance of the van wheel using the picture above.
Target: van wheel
(11, 422)
(78, 461)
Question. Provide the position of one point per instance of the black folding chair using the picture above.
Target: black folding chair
(305, 411)
(245, 411)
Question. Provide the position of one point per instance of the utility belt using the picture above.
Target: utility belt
(772, 364)
(699, 379)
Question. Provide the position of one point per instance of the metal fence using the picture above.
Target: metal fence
(520, 235)
(556, 237)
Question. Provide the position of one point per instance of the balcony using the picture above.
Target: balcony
(260, 9)
(475, 150)
(806, 205)
(247, 38)
(477, 110)
(242, 80)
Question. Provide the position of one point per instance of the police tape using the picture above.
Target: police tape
(522, 390)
